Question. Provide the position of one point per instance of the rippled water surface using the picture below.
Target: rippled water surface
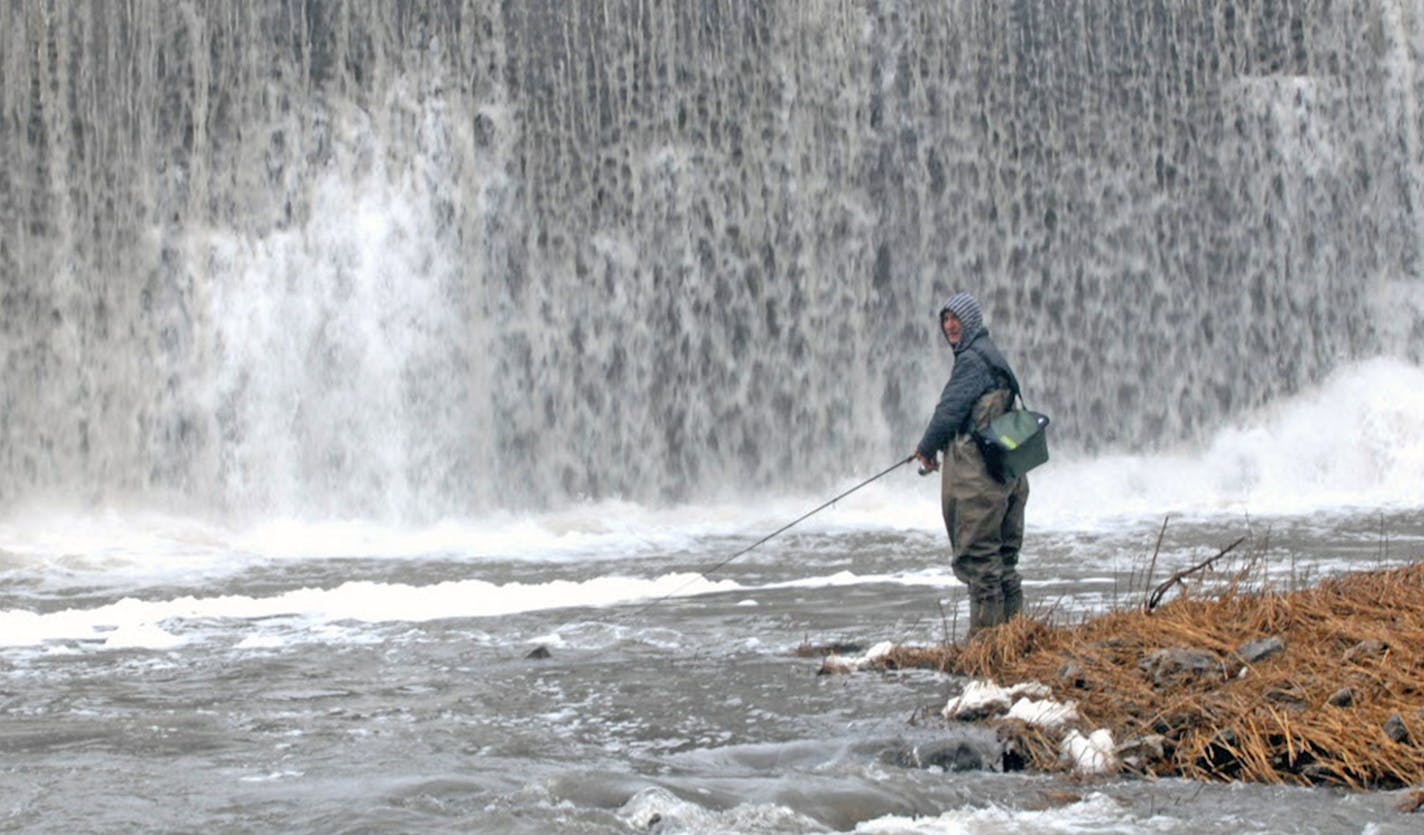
(340, 693)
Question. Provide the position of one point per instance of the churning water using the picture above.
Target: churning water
(351, 351)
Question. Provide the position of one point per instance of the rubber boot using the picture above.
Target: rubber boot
(985, 612)
(991, 611)
(1013, 597)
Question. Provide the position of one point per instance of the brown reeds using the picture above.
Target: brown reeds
(1341, 703)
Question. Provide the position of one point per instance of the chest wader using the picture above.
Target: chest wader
(985, 521)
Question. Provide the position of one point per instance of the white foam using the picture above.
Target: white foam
(1356, 441)
(1095, 813)
(140, 623)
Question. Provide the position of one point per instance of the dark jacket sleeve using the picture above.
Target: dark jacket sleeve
(970, 379)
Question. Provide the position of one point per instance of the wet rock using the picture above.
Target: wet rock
(1412, 802)
(1140, 752)
(1254, 652)
(1395, 729)
(973, 753)
(955, 756)
(538, 653)
(1366, 650)
(1178, 664)
(900, 757)
(1344, 697)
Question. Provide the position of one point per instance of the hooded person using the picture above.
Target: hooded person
(983, 515)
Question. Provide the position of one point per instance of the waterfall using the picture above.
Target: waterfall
(404, 261)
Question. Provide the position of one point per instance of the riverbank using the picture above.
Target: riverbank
(1317, 686)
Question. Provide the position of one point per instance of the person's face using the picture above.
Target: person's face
(952, 329)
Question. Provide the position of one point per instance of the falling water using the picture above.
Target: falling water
(410, 260)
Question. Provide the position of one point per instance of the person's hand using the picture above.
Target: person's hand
(927, 465)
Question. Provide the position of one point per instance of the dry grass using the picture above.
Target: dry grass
(1272, 721)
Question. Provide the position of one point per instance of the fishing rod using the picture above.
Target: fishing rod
(706, 573)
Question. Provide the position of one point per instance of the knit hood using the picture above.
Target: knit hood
(971, 319)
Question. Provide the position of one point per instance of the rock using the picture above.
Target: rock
(1178, 664)
(1413, 801)
(1288, 699)
(1317, 773)
(974, 750)
(1365, 650)
(539, 652)
(1142, 751)
(1255, 651)
(1344, 697)
(1394, 729)
(955, 756)
(900, 757)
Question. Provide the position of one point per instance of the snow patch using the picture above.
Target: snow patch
(1044, 712)
(981, 699)
(1091, 754)
(833, 664)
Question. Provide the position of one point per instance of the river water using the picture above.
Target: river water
(351, 352)
(167, 674)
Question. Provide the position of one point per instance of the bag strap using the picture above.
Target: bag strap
(1014, 392)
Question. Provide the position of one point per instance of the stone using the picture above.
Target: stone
(1366, 649)
(900, 757)
(1317, 773)
(1254, 652)
(539, 652)
(1140, 752)
(1344, 697)
(1178, 664)
(1413, 801)
(955, 756)
(1288, 699)
(1395, 729)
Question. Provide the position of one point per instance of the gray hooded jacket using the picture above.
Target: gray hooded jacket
(978, 368)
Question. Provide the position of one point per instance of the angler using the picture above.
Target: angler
(983, 514)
